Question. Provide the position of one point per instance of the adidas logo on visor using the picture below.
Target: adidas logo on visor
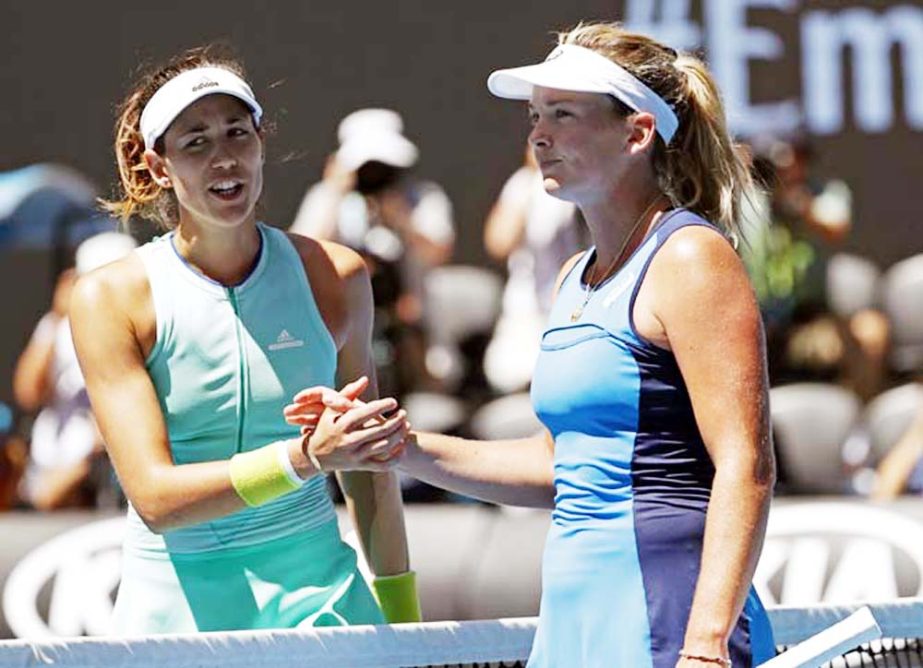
(204, 83)
(556, 53)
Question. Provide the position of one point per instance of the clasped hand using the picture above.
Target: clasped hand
(342, 433)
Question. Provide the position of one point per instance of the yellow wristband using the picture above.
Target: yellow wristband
(397, 596)
(258, 476)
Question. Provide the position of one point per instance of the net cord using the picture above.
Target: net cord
(432, 643)
(898, 618)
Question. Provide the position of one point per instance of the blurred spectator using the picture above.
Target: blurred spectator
(66, 456)
(790, 234)
(369, 200)
(13, 455)
(534, 233)
(901, 470)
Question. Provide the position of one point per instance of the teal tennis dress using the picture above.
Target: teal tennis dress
(225, 363)
(632, 483)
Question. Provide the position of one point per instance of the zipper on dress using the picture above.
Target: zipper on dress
(241, 370)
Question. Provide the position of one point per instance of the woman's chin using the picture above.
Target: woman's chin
(551, 184)
(554, 187)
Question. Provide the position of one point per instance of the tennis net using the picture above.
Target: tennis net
(480, 644)
(900, 644)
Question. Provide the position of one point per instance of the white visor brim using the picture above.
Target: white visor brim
(186, 88)
(575, 68)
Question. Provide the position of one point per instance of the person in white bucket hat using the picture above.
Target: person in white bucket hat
(191, 347)
(371, 165)
(370, 200)
(651, 379)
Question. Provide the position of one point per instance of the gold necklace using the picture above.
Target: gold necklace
(591, 287)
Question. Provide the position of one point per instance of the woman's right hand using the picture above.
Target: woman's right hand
(308, 405)
(356, 436)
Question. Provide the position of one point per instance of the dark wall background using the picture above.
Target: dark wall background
(65, 66)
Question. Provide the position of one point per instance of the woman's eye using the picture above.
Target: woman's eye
(238, 132)
(195, 142)
(562, 113)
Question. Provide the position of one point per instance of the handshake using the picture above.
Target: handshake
(340, 432)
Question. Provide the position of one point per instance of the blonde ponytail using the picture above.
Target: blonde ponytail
(702, 168)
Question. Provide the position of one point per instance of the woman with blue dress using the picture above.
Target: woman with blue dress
(651, 380)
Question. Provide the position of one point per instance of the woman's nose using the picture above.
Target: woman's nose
(224, 158)
(538, 136)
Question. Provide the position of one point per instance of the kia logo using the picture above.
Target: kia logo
(83, 565)
(839, 552)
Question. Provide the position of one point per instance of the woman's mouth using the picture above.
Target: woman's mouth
(227, 190)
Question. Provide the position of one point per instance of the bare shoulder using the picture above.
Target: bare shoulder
(695, 245)
(121, 285)
(698, 259)
(695, 277)
(336, 261)
(339, 281)
(112, 305)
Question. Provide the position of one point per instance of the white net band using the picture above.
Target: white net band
(500, 643)
(405, 645)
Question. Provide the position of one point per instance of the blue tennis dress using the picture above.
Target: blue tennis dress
(632, 483)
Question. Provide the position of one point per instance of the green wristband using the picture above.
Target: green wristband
(397, 596)
(259, 476)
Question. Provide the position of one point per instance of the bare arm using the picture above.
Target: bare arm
(506, 222)
(373, 499)
(704, 310)
(104, 321)
(897, 466)
(515, 472)
(319, 210)
(32, 377)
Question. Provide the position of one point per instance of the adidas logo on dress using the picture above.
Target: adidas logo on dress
(285, 340)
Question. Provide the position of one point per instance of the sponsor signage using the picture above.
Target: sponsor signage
(879, 50)
(816, 551)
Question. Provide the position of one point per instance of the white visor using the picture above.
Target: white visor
(575, 68)
(182, 90)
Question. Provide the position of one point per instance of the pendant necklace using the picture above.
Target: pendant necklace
(590, 286)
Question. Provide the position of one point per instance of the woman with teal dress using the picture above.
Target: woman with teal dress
(191, 347)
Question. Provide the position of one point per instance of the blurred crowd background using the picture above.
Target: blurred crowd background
(384, 138)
